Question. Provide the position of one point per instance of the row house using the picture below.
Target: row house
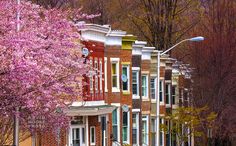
(181, 85)
(119, 103)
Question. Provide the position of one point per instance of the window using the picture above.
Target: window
(168, 94)
(173, 94)
(100, 75)
(145, 130)
(145, 86)
(125, 74)
(153, 131)
(115, 74)
(125, 127)
(115, 125)
(161, 90)
(92, 135)
(153, 88)
(135, 83)
(161, 133)
(77, 135)
(135, 129)
(168, 139)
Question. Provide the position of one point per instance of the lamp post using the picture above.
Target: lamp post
(159, 54)
(16, 117)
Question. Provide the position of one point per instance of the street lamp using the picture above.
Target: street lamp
(159, 54)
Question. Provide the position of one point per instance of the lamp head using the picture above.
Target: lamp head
(197, 39)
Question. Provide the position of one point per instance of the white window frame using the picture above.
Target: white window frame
(146, 118)
(137, 127)
(136, 70)
(162, 92)
(81, 132)
(100, 75)
(105, 73)
(118, 121)
(92, 143)
(154, 127)
(145, 97)
(155, 88)
(128, 77)
(128, 128)
(169, 93)
(173, 96)
(117, 61)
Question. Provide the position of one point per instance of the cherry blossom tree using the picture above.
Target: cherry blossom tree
(41, 67)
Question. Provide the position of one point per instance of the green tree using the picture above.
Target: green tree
(185, 123)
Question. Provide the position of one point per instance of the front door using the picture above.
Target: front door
(77, 136)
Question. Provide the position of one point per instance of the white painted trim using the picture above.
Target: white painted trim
(105, 73)
(147, 82)
(89, 103)
(128, 77)
(147, 120)
(155, 87)
(118, 122)
(78, 126)
(135, 110)
(116, 104)
(136, 68)
(134, 96)
(137, 120)
(117, 61)
(153, 75)
(163, 98)
(169, 93)
(128, 128)
(100, 75)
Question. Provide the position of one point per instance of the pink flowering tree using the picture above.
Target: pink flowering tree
(41, 67)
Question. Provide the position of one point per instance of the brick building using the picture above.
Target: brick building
(119, 103)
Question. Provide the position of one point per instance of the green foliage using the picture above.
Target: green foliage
(185, 122)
